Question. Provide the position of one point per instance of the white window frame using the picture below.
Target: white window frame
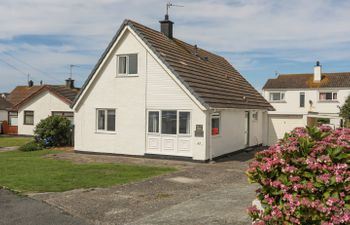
(106, 121)
(329, 100)
(177, 123)
(159, 122)
(215, 115)
(281, 93)
(127, 65)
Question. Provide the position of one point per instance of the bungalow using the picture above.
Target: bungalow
(32, 103)
(152, 94)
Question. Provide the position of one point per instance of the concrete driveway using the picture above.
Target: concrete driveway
(17, 210)
(197, 194)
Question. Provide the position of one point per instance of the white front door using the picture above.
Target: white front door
(169, 133)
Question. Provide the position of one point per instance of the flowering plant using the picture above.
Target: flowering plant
(304, 178)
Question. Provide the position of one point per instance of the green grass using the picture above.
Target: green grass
(14, 141)
(31, 172)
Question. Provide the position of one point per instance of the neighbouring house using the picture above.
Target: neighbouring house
(153, 94)
(32, 103)
(305, 99)
(4, 107)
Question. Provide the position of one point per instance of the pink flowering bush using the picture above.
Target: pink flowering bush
(304, 178)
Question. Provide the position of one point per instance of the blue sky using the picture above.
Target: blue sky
(259, 37)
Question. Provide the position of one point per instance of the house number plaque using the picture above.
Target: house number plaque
(199, 131)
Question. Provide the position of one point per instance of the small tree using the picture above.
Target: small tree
(345, 111)
(53, 131)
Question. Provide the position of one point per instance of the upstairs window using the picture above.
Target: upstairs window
(276, 96)
(127, 64)
(328, 96)
(28, 117)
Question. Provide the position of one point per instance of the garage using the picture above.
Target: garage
(280, 124)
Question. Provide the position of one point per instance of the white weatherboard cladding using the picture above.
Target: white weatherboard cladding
(163, 93)
(3, 115)
(232, 136)
(42, 105)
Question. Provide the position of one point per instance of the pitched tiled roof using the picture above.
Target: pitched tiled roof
(4, 104)
(305, 81)
(22, 94)
(209, 77)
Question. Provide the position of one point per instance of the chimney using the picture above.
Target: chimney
(317, 72)
(30, 83)
(70, 83)
(166, 27)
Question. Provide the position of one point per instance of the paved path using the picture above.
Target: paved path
(17, 210)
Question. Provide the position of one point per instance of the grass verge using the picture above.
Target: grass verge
(31, 172)
(14, 141)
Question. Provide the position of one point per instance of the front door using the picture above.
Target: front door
(246, 128)
(169, 132)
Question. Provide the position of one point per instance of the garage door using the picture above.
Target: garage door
(279, 125)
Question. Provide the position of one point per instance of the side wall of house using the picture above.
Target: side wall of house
(232, 135)
(3, 115)
(42, 106)
(124, 94)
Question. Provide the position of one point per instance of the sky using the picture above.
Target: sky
(260, 38)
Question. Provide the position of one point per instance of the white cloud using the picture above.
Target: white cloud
(298, 30)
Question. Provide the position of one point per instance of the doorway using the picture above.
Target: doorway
(246, 128)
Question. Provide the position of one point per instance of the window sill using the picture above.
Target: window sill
(105, 132)
(126, 75)
(328, 101)
(278, 101)
(28, 124)
(216, 136)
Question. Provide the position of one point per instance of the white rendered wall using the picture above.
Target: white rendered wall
(291, 103)
(232, 137)
(42, 105)
(3, 115)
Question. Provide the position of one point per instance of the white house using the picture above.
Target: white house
(152, 94)
(305, 99)
(44, 101)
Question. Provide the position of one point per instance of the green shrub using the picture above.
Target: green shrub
(30, 146)
(54, 131)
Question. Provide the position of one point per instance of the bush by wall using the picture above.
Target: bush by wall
(304, 178)
(54, 131)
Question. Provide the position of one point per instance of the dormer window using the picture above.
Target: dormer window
(276, 96)
(127, 64)
(328, 96)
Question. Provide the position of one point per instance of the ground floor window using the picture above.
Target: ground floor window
(169, 122)
(68, 115)
(28, 118)
(13, 118)
(215, 124)
(106, 120)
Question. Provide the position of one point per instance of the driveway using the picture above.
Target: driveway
(17, 210)
(199, 193)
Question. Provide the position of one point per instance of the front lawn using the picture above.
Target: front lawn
(13, 141)
(31, 172)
